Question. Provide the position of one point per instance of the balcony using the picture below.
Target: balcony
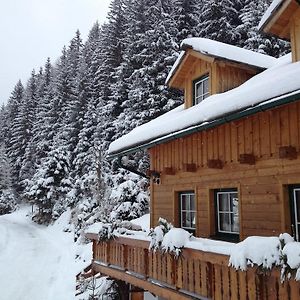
(194, 275)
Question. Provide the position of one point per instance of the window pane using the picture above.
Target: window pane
(188, 211)
(183, 202)
(192, 203)
(205, 86)
(187, 202)
(235, 223)
(193, 219)
(199, 89)
(183, 219)
(188, 221)
(225, 222)
(223, 202)
(228, 212)
(297, 204)
(234, 203)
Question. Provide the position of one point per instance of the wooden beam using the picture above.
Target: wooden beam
(247, 158)
(287, 152)
(201, 56)
(172, 81)
(276, 16)
(169, 171)
(214, 164)
(295, 39)
(159, 290)
(189, 168)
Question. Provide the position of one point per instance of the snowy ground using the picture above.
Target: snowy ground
(37, 262)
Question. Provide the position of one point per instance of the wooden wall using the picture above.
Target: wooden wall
(223, 77)
(295, 35)
(262, 187)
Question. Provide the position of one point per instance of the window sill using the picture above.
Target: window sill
(232, 238)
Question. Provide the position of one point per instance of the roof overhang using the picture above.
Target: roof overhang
(260, 107)
(186, 61)
(184, 66)
(277, 21)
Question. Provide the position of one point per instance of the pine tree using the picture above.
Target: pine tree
(219, 20)
(22, 129)
(49, 186)
(185, 15)
(250, 15)
(5, 174)
(11, 111)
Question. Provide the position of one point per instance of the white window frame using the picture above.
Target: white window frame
(228, 212)
(189, 211)
(297, 221)
(203, 94)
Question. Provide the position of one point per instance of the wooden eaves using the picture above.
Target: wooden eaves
(191, 56)
(277, 23)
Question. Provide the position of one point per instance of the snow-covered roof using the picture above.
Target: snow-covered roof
(224, 51)
(269, 13)
(275, 83)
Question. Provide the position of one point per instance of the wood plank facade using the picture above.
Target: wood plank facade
(262, 186)
(223, 75)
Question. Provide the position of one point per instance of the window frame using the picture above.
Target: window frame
(224, 234)
(203, 95)
(295, 219)
(190, 211)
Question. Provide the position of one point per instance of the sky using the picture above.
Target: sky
(32, 30)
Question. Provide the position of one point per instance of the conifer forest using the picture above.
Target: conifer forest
(56, 128)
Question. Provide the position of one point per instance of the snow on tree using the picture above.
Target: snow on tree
(250, 16)
(131, 202)
(185, 15)
(219, 20)
(49, 186)
(7, 198)
(8, 202)
(97, 91)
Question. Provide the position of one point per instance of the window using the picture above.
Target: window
(201, 89)
(187, 211)
(295, 211)
(227, 213)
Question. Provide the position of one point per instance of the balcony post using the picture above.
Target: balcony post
(146, 262)
(107, 250)
(125, 257)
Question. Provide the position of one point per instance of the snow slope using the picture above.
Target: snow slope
(37, 262)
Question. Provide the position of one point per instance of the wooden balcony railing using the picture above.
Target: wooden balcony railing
(195, 274)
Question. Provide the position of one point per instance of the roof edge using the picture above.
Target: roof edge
(262, 26)
(186, 47)
(260, 107)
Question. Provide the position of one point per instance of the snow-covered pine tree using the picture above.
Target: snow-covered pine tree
(41, 127)
(49, 186)
(7, 198)
(250, 16)
(185, 15)
(5, 174)
(84, 153)
(33, 151)
(22, 129)
(219, 20)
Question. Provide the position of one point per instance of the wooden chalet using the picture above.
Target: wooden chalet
(224, 166)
